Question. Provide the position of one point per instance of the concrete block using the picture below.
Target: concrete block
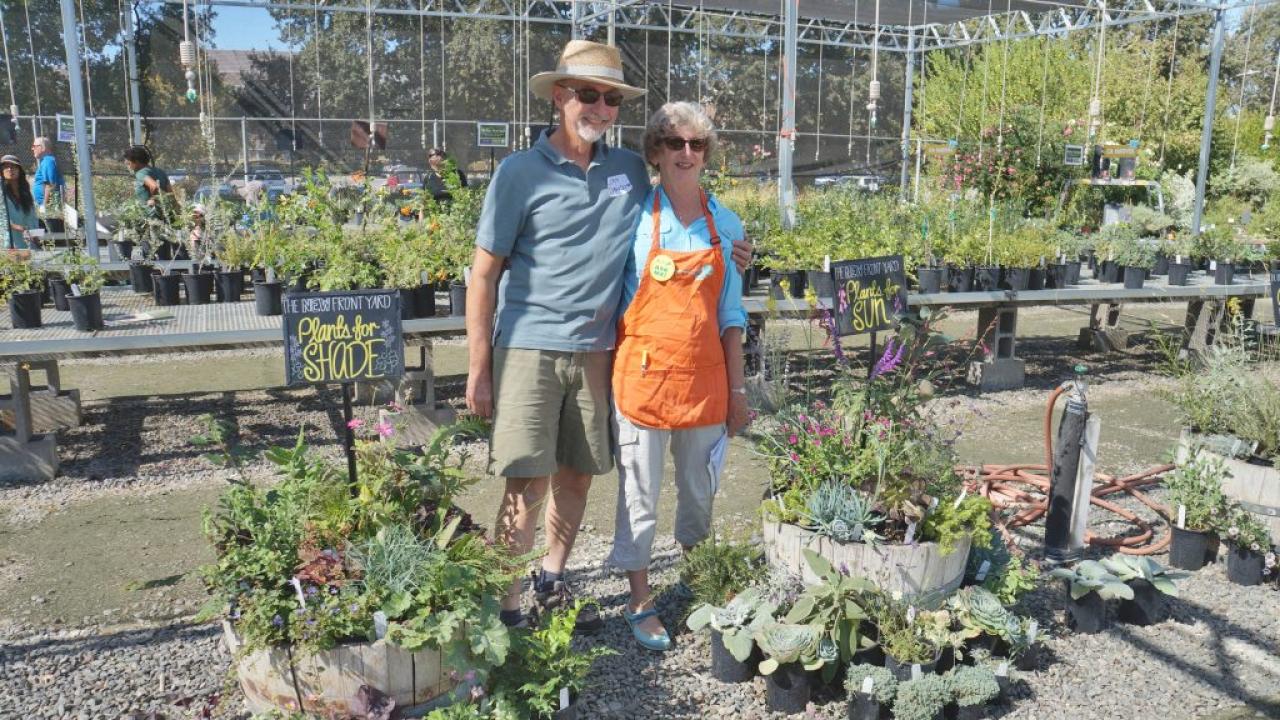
(998, 373)
(49, 412)
(26, 462)
(416, 425)
(1103, 339)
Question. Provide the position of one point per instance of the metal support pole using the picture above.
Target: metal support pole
(906, 112)
(787, 134)
(131, 63)
(71, 44)
(244, 148)
(575, 32)
(1210, 107)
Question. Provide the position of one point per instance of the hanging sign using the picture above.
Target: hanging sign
(67, 129)
(342, 337)
(870, 294)
(1273, 274)
(1073, 155)
(494, 135)
(1115, 151)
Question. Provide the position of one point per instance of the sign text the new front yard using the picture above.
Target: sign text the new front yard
(870, 294)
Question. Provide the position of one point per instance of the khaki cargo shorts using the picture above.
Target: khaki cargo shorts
(550, 408)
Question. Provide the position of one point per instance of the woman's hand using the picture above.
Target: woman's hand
(742, 252)
(739, 414)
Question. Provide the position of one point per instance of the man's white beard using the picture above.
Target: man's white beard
(588, 132)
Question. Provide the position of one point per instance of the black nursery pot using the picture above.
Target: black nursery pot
(1189, 549)
(424, 300)
(1224, 273)
(140, 278)
(724, 666)
(408, 303)
(86, 312)
(230, 286)
(125, 249)
(257, 275)
(986, 278)
(199, 287)
(787, 689)
(568, 713)
(1108, 272)
(1073, 272)
(1017, 278)
(24, 309)
(961, 279)
(1178, 273)
(59, 289)
(795, 284)
(1055, 276)
(166, 288)
(903, 671)
(1162, 265)
(865, 707)
(266, 298)
(1087, 615)
(1036, 280)
(821, 282)
(930, 279)
(1134, 277)
(1147, 607)
(457, 299)
(1244, 567)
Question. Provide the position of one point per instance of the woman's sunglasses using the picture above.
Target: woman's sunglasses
(676, 144)
(589, 96)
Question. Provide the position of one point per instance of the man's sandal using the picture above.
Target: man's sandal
(658, 643)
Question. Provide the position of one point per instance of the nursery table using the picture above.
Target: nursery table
(1001, 368)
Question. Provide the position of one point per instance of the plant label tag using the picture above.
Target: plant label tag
(1182, 517)
(75, 289)
(1002, 670)
(915, 671)
(1177, 259)
(911, 615)
(1213, 265)
(983, 569)
(868, 685)
(466, 275)
(1032, 629)
(380, 624)
(911, 534)
(933, 503)
(564, 698)
(302, 598)
(964, 492)
(826, 263)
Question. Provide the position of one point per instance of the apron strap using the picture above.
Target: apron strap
(657, 220)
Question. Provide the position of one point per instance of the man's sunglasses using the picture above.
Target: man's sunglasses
(589, 96)
(676, 144)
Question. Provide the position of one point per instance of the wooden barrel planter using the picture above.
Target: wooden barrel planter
(919, 570)
(1256, 486)
(328, 684)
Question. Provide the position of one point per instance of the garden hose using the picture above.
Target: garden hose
(1024, 490)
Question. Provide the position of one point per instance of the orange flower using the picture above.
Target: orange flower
(405, 210)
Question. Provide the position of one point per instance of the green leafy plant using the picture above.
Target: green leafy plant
(1090, 576)
(908, 640)
(545, 663)
(86, 274)
(224, 436)
(1132, 567)
(921, 699)
(884, 686)
(786, 643)
(737, 622)
(1241, 528)
(717, 569)
(1196, 484)
(948, 523)
(17, 275)
(972, 685)
(833, 604)
(841, 513)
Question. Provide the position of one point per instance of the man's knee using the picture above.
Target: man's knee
(569, 480)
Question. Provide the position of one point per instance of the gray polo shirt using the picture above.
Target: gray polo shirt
(566, 235)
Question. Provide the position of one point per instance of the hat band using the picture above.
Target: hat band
(596, 70)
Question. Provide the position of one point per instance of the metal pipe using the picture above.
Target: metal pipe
(906, 113)
(244, 147)
(787, 133)
(1058, 545)
(1210, 107)
(72, 46)
(131, 63)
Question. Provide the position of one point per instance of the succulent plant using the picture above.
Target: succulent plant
(1091, 576)
(1133, 567)
(784, 643)
(840, 512)
(884, 686)
(971, 685)
(921, 699)
(980, 612)
(737, 622)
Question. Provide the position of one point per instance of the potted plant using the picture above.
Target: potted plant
(235, 254)
(833, 604)
(1195, 496)
(546, 674)
(1248, 542)
(871, 690)
(401, 255)
(270, 250)
(1137, 257)
(910, 648)
(1179, 249)
(921, 698)
(20, 288)
(790, 653)
(1090, 585)
(1150, 583)
(1154, 224)
(972, 688)
(733, 630)
(85, 302)
(1111, 239)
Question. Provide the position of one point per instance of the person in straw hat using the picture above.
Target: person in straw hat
(551, 247)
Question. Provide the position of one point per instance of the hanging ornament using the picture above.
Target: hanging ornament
(874, 103)
(187, 55)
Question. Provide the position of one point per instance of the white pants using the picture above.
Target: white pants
(640, 459)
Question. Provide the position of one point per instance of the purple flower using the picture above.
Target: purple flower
(354, 607)
(311, 589)
(385, 429)
(277, 621)
(890, 360)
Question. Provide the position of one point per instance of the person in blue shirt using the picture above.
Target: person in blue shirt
(47, 182)
(19, 206)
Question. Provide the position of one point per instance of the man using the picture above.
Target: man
(558, 219)
(48, 182)
(149, 183)
(433, 181)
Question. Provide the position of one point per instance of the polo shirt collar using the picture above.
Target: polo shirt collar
(544, 146)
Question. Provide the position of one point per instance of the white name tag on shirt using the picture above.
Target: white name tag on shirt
(619, 185)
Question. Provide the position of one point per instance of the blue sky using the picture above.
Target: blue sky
(243, 28)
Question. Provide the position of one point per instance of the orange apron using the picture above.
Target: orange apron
(669, 370)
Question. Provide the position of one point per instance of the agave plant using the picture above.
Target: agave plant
(1091, 576)
(784, 643)
(840, 512)
(1132, 567)
(737, 622)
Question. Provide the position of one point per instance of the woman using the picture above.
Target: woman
(677, 374)
(19, 205)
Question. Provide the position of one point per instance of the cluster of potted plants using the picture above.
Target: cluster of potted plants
(1139, 584)
(1205, 517)
(26, 289)
(313, 566)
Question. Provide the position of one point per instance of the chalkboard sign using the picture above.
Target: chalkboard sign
(1274, 286)
(342, 337)
(870, 294)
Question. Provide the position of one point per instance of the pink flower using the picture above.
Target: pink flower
(355, 424)
(793, 440)
(795, 457)
(385, 429)
(394, 406)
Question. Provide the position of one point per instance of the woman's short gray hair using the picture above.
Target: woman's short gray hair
(673, 117)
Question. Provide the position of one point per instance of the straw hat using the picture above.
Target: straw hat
(10, 160)
(589, 61)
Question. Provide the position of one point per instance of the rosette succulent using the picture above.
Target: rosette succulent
(784, 643)
(979, 611)
(840, 512)
(737, 622)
